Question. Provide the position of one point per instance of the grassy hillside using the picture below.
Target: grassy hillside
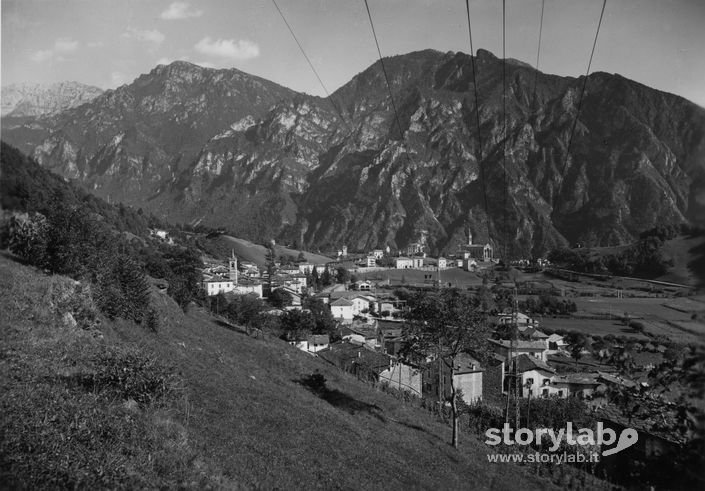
(256, 253)
(200, 405)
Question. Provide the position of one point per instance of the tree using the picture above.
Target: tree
(342, 275)
(184, 276)
(245, 310)
(326, 279)
(280, 298)
(315, 280)
(443, 325)
(577, 342)
(28, 237)
(122, 289)
(323, 321)
(297, 323)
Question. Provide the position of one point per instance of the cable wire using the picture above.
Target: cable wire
(477, 118)
(538, 53)
(310, 64)
(384, 71)
(504, 126)
(580, 104)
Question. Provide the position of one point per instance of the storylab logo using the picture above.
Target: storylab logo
(548, 436)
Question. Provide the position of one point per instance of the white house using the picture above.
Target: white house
(215, 286)
(371, 261)
(317, 342)
(442, 263)
(414, 248)
(536, 377)
(312, 344)
(402, 262)
(467, 377)
(363, 286)
(556, 343)
(378, 253)
(361, 303)
(342, 308)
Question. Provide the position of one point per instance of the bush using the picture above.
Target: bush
(66, 296)
(126, 373)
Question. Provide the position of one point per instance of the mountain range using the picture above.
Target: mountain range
(228, 149)
(22, 100)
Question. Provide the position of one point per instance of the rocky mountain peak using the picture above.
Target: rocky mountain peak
(21, 100)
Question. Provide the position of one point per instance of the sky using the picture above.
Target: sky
(107, 43)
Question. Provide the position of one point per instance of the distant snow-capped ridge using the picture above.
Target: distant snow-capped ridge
(45, 99)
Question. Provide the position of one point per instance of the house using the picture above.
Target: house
(377, 253)
(442, 263)
(493, 378)
(504, 347)
(535, 377)
(401, 376)
(656, 432)
(521, 320)
(317, 342)
(361, 333)
(216, 285)
(581, 385)
(363, 286)
(361, 304)
(467, 377)
(402, 262)
(532, 333)
(342, 308)
(417, 262)
(556, 343)
(248, 286)
(414, 248)
(371, 261)
(307, 268)
(311, 343)
(249, 268)
(468, 264)
(373, 366)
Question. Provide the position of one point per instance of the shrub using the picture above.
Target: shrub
(127, 373)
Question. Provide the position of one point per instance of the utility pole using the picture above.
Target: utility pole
(515, 329)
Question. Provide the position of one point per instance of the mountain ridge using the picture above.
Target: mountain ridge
(229, 149)
(23, 100)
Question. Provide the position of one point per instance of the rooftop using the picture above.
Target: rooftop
(527, 363)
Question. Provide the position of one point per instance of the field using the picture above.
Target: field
(240, 416)
(657, 314)
(256, 253)
(593, 327)
(411, 277)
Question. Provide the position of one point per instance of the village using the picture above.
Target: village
(533, 362)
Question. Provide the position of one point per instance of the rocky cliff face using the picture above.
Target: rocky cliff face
(228, 149)
(20, 100)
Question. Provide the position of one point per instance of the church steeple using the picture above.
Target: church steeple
(232, 266)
